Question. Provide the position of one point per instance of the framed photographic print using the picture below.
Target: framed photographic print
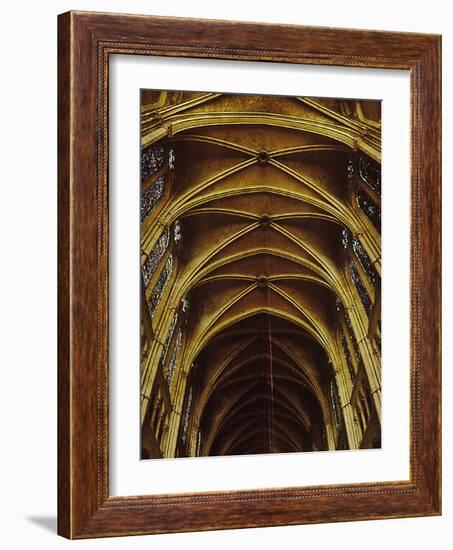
(249, 275)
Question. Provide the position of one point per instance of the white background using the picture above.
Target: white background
(28, 277)
(128, 475)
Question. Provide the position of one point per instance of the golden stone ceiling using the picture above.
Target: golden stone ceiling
(260, 191)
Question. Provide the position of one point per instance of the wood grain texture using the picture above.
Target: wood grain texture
(64, 426)
(85, 42)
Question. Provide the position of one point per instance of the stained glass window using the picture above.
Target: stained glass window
(364, 259)
(170, 368)
(370, 174)
(174, 357)
(157, 253)
(348, 357)
(350, 172)
(171, 331)
(150, 198)
(161, 283)
(345, 237)
(185, 420)
(355, 346)
(171, 159)
(339, 307)
(335, 407)
(185, 304)
(371, 210)
(360, 287)
(177, 232)
(153, 158)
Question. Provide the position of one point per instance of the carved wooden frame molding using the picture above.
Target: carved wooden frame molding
(85, 41)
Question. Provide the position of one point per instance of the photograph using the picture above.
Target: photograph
(225, 294)
(260, 248)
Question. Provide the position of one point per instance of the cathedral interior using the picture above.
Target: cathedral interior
(261, 265)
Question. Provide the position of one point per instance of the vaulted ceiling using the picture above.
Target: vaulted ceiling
(260, 192)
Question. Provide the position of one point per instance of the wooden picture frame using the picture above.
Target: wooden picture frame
(85, 41)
